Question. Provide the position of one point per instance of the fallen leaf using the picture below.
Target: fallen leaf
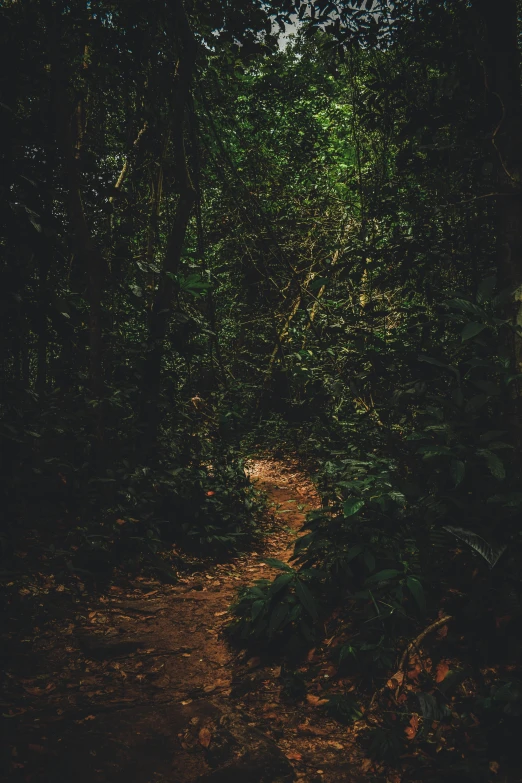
(293, 756)
(441, 671)
(396, 680)
(120, 521)
(204, 737)
(305, 728)
(152, 592)
(220, 614)
(336, 745)
(442, 632)
(12, 714)
(413, 727)
(413, 674)
(315, 701)
(253, 662)
(40, 691)
(494, 767)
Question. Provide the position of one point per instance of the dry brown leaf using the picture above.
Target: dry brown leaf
(441, 671)
(315, 701)
(396, 680)
(494, 767)
(413, 674)
(413, 727)
(253, 662)
(152, 592)
(120, 521)
(204, 737)
(293, 756)
(40, 691)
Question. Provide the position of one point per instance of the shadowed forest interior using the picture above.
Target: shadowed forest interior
(261, 391)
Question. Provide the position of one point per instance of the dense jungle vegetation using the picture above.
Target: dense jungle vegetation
(219, 240)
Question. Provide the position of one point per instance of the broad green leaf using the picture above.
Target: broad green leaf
(354, 552)
(382, 576)
(458, 471)
(509, 499)
(486, 289)
(417, 591)
(494, 462)
(492, 435)
(472, 330)
(465, 306)
(489, 553)
(488, 387)
(274, 563)
(306, 599)
(431, 710)
(277, 618)
(434, 451)
(279, 583)
(351, 507)
(369, 560)
(475, 403)
(257, 608)
(437, 363)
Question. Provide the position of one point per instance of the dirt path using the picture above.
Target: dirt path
(140, 685)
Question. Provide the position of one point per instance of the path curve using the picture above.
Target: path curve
(150, 691)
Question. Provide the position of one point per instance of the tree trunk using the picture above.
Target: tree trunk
(85, 247)
(501, 59)
(161, 308)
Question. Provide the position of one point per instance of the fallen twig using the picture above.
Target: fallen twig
(414, 644)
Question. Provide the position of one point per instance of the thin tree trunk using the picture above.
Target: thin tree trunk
(502, 84)
(85, 246)
(161, 308)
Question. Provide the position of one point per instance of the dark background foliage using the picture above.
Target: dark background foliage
(214, 240)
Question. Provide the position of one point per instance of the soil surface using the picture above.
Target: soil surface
(138, 683)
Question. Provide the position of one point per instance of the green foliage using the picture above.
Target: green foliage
(276, 609)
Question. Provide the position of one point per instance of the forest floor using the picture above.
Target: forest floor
(138, 683)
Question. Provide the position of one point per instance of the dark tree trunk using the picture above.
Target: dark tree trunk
(501, 59)
(161, 308)
(85, 246)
